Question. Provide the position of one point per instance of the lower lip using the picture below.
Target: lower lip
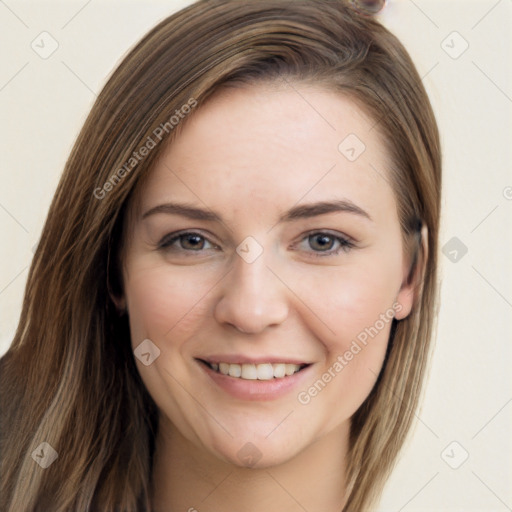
(257, 389)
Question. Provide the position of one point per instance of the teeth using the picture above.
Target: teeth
(290, 369)
(235, 370)
(279, 370)
(249, 372)
(264, 371)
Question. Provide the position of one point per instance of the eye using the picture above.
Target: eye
(326, 244)
(323, 243)
(188, 241)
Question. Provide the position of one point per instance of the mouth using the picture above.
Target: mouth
(249, 380)
(252, 371)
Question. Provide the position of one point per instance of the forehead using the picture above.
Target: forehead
(273, 146)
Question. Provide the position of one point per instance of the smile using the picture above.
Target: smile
(257, 380)
(262, 371)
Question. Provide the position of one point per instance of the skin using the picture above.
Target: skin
(250, 154)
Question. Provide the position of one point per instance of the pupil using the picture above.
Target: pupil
(194, 241)
(325, 241)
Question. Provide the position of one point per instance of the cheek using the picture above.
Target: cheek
(351, 298)
(164, 308)
(361, 304)
(356, 303)
(360, 314)
(168, 308)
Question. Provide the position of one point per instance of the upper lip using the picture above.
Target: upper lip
(241, 359)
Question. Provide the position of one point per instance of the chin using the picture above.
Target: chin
(255, 454)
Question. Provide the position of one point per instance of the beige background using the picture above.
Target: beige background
(44, 101)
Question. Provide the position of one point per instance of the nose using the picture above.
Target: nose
(252, 298)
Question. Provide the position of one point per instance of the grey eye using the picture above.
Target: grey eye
(191, 242)
(321, 241)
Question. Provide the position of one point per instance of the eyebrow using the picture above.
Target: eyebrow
(305, 211)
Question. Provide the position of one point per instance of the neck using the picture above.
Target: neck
(186, 478)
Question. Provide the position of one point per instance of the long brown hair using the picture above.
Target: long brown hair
(69, 378)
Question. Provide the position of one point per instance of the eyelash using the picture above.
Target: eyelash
(345, 243)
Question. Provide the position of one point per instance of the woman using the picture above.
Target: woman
(233, 297)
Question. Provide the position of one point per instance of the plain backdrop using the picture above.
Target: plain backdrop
(458, 457)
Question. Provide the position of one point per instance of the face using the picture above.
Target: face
(265, 266)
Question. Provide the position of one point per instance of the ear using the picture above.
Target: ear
(413, 275)
(115, 286)
(119, 301)
(117, 297)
